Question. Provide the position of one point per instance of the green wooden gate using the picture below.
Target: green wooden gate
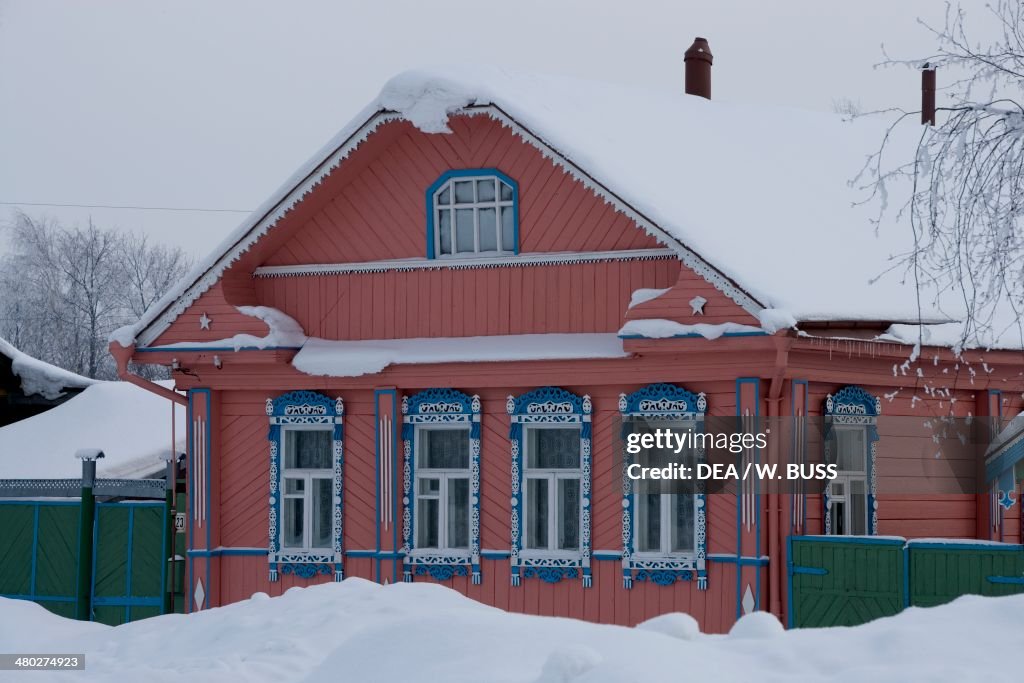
(941, 572)
(39, 547)
(129, 568)
(39, 553)
(844, 581)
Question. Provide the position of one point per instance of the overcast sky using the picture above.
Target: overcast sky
(212, 104)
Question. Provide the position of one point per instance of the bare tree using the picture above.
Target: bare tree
(66, 289)
(966, 176)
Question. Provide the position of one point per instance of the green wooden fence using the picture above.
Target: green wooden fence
(845, 580)
(39, 551)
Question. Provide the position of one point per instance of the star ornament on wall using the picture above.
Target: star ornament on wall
(204, 322)
(697, 304)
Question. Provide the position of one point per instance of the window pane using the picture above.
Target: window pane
(506, 192)
(458, 513)
(682, 523)
(427, 522)
(553, 448)
(429, 487)
(508, 237)
(464, 231)
(838, 521)
(537, 513)
(850, 446)
(323, 496)
(445, 230)
(294, 510)
(464, 192)
(294, 485)
(568, 514)
(485, 190)
(648, 523)
(488, 230)
(307, 449)
(444, 448)
(446, 196)
(858, 507)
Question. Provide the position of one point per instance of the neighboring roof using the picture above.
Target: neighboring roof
(41, 378)
(756, 199)
(130, 425)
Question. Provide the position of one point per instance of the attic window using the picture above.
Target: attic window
(473, 212)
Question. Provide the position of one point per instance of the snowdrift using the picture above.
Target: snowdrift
(359, 631)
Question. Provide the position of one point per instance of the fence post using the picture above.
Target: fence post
(169, 532)
(88, 457)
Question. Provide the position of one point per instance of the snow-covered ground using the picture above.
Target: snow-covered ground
(362, 632)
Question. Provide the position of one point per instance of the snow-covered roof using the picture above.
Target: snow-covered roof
(757, 199)
(38, 377)
(130, 425)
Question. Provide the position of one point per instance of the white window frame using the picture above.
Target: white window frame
(497, 204)
(846, 477)
(666, 510)
(553, 475)
(307, 475)
(444, 474)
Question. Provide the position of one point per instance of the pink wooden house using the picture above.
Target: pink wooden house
(410, 362)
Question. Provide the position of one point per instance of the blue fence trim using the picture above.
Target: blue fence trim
(906, 576)
(813, 571)
(984, 547)
(127, 602)
(40, 598)
(1015, 580)
(741, 561)
(864, 540)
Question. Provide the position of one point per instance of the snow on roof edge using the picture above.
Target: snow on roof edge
(40, 377)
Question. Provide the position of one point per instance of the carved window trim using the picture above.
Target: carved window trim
(304, 409)
(852, 406)
(440, 407)
(667, 402)
(550, 406)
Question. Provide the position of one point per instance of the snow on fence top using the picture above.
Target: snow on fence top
(38, 377)
(130, 425)
(762, 194)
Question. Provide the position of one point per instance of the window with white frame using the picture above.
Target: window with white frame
(306, 501)
(308, 495)
(474, 214)
(552, 477)
(665, 522)
(851, 440)
(442, 492)
(848, 495)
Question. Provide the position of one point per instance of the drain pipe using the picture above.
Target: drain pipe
(123, 354)
(782, 346)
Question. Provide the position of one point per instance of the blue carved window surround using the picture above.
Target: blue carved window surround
(853, 406)
(440, 407)
(549, 406)
(302, 409)
(671, 403)
(440, 198)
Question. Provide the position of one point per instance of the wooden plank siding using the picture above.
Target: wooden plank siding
(582, 297)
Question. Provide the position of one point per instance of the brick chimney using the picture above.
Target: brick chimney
(698, 68)
(928, 95)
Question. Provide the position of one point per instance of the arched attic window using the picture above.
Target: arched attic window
(473, 212)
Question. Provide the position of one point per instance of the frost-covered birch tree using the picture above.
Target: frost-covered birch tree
(64, 289)
(965, 196)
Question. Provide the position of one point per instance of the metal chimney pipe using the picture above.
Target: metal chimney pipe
(698, 60)
(928, 95)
